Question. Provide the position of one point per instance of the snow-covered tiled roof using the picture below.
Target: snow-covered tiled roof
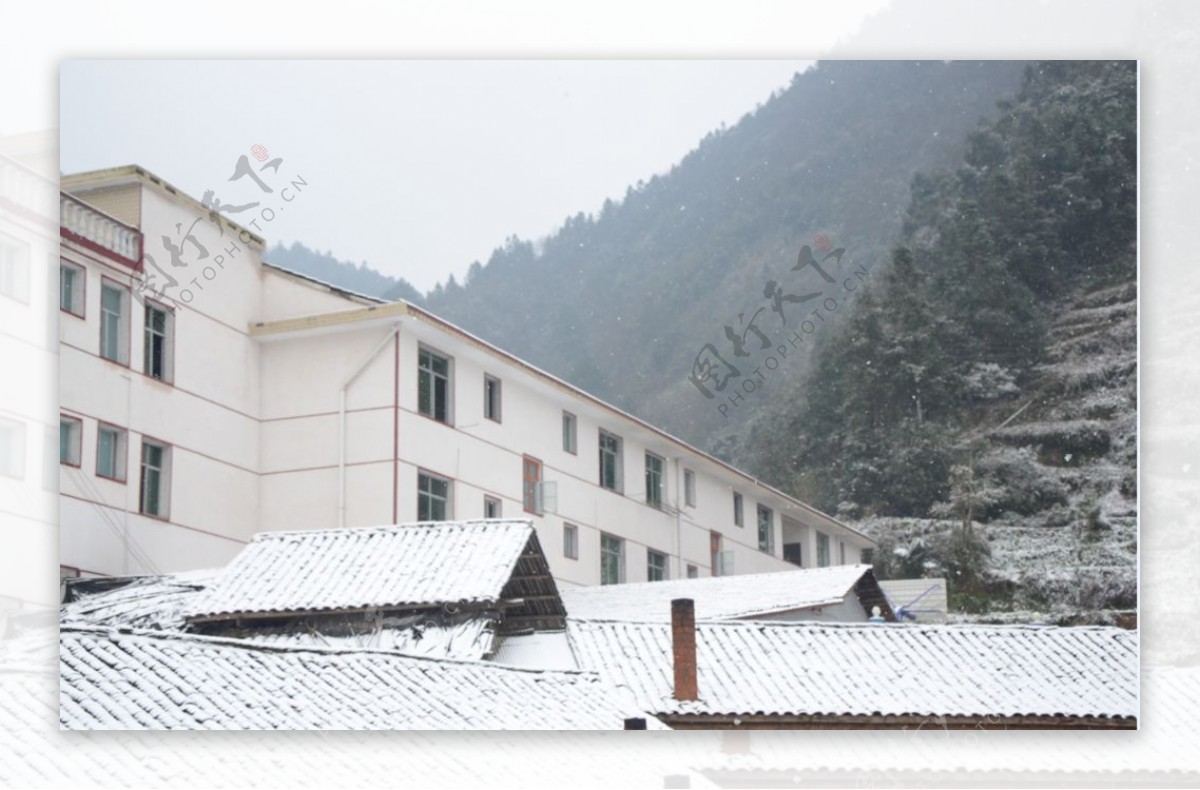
(470, 638)
(867, 669)
(157, 680)
(719, 597)
(159, 603)
(393, 566)
(35, 753)
(144, 602)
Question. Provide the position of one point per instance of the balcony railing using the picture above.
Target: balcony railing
(26, 193)
(99, 232)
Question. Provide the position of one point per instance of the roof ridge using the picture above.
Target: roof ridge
(268, 647)
(384, 528)
(713, 580)
(814, 624)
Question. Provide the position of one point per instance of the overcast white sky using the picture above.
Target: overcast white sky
(417, 167)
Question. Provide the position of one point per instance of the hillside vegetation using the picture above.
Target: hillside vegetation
(988, 374)
(359, 278)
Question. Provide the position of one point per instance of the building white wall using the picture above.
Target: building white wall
(254, 417)
(207, 414)
(304, 371)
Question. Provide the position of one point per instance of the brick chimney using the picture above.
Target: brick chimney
(683, 647)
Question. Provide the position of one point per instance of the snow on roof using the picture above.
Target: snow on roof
(719, 597)
(468, 638)
(35, 753)
(157, 680)
(878, 669)
(543, 650)
(159, 603)
(144, 602)
(394, 566)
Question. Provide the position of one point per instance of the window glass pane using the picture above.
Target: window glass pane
(109, 346)
(765, 532)
(737, 510)
(491, 398)
(568, 427)
(610, 454)
(152, 455)
(433, 498)
(155, 346)
(152, 479)
(106, 454)
(111, 299)
(654, 476)
(531, 476)
(439, 398)
(150, 483)
(611, 560)
(425, 393)
(422, 498)
(570, 541)
(70, 437)
(433, 385)
(68, 282)
(110, 323)
(656, 566)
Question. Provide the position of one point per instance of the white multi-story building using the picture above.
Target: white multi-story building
(244, 398)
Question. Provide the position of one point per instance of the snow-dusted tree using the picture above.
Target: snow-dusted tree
(970, 497)
(987, 381)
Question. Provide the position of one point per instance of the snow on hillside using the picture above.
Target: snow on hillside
(1063, 546)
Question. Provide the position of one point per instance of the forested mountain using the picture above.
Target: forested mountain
(1044, 205)
(359, 278)
(988, 374)
(622, 303)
